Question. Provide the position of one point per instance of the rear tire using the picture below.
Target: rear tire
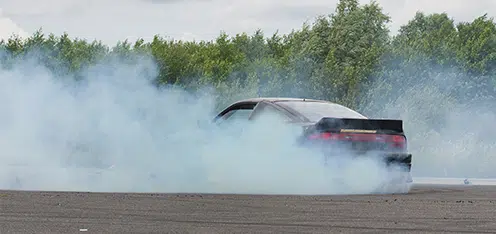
(402, 188)
(401, 184)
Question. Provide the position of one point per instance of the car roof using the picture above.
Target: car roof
(277, 99)
(295, 114)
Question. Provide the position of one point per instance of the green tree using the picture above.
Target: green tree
(356, 38)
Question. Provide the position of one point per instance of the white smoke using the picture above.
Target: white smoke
(448, 118)
(115, 131)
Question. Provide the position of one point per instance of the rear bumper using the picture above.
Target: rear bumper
(394, 161)
(389, 158)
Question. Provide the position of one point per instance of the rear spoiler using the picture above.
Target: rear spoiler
(344, 124)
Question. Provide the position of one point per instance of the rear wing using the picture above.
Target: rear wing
(363, 125)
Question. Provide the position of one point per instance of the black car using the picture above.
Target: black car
(327, 125)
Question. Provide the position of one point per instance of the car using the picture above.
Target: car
(329, 125)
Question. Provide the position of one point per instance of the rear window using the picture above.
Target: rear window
(315, 111)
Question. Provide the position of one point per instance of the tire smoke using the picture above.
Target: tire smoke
(113, 131)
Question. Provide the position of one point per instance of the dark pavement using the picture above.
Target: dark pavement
(462, 209)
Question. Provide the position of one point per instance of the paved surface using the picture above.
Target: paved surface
(463, 209)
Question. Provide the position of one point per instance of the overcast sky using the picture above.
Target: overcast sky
(113, 20)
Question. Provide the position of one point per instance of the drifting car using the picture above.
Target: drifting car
(331, 126)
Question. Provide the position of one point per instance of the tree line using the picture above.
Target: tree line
(348, 57)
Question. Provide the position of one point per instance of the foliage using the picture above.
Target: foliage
(348, 57)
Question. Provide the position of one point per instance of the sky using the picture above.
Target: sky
(115, 20)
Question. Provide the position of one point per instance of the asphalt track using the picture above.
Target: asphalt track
(426, 209)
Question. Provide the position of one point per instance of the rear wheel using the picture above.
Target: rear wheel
(400, 184)
(400, 188)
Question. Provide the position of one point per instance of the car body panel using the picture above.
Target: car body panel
(295, 116)
(277, 103)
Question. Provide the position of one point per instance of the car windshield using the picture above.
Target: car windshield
(315, 111)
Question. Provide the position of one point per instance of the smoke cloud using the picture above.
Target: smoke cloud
(448, 116)
(114, 131)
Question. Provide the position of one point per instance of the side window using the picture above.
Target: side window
(267, 110)
(237, 115)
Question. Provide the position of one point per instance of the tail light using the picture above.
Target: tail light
(395, 141)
